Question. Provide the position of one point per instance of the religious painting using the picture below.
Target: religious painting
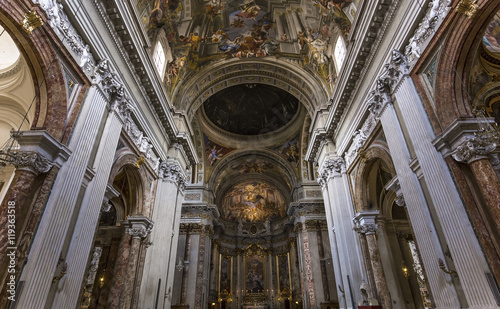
(214, 152)
(226, 264)
(491, 38)
(282, 262)
(252, 165)
(290, 150)
(250, 33)
(254, 273)
(253, 202)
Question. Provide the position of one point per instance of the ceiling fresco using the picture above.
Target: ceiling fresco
(491, 38)
(251, 109)
(200, 33)
(253, 202)
(290, 150)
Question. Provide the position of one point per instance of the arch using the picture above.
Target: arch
(453, 65)
(217, 178)
(215, 77)
(45, 68)
(370, 156)
(125, 166)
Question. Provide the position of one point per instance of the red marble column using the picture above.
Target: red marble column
(119, 273)
(187, 252)
(378, 271)
(128, 284)
(490, 187)
(368, 264)
(16, 200)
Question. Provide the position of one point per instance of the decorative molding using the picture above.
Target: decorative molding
(392, 74)
(436, 12)
(360, 137)
(467, 7)
(192, 196)
(59, 21)
(122, 105)
(366, 51)
(106, 206)
(400, 200)
(31, 21)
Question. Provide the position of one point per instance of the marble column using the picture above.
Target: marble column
(119, 272)
(49, 240)
(441, 284)
(294, 270)
(185, 273)
(269, 273)
(365, 224)
(333, 175)
(160, 260)
(214, 271)
(461, 240)
(88, 217)
(474, 151)
(314, 285)
(36, 163)
(203, 266)
(139, 229)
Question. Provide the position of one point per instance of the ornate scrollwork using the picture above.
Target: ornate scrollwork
(436, 12)
(137, 232)
(366, 228)
(400, 200)
(28, 159)
(63, 27)
(330, 168)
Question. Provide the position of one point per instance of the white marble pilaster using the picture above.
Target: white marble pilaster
(465, 250)
(333, 243)
(48, 242)
(440, 284)
(349, 248)
(83, 235)
(160, 257)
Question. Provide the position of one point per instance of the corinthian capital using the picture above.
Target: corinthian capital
(31, 160)
(476, 147)
(330, 168)
(365, 222)
(137, 232)
(172, 172)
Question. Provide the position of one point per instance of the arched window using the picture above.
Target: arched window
(159, 59)
(340, 51)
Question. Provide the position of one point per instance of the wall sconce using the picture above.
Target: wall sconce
(179, 266)
(406, 273)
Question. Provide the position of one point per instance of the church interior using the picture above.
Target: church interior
(250, 154)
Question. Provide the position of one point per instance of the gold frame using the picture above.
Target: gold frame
(280, 290)
(245, 271)
(230, 274)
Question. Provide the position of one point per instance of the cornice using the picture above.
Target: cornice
(381, 16)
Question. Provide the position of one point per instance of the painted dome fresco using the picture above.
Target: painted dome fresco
(251, 109)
